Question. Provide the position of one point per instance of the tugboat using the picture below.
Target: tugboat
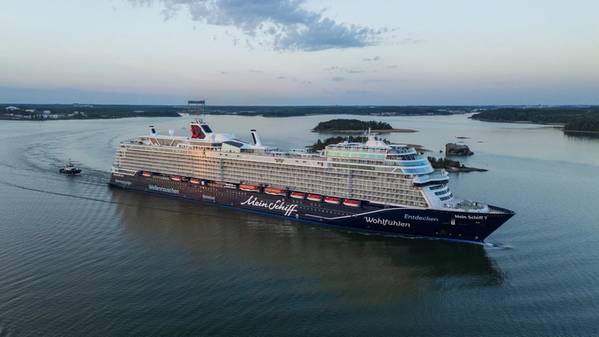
(70, 169)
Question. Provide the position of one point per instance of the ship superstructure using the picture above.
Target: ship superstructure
(344, 180)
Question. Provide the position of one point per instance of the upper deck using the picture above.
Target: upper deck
(373, 170)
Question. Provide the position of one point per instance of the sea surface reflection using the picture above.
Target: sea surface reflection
(80, 258)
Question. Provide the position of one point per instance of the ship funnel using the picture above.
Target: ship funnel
(256, 137)
(153, 130)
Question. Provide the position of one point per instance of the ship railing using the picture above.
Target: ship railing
(435, 176)
(467, 206)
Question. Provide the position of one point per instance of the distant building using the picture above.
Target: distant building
(78, 105)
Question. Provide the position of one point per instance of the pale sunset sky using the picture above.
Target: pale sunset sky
(293, 52)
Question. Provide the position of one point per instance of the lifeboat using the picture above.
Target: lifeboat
(185, 179)
(275, 191)
(146, 174)
(249, 188)
(297, 195)
(351, 203)
(231, 186)
(194, 181)
(314, 197)
(176, 178)
(331, 200)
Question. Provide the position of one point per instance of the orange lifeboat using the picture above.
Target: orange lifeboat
(146, 174)
(297, 195)
(249, 188)
(351, 203)
(314, 197)
(194, 181)
(176, 178)
(275, 191)
(331, 200)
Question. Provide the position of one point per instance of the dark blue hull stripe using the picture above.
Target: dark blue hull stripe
(394, 221)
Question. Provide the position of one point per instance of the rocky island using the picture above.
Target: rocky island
(452, 165)
(452, 149)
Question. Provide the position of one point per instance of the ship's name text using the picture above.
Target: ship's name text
(420, 218)
(163, 189)
(278, 205)
(470, 217)
(386, 222)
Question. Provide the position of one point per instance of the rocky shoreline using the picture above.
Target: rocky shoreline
(452, 165)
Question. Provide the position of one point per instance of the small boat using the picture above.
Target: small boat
(184, 179)
(146, 174)
(314, 197)
(176, 178)
(70, 169)
(351, 203)
(231, 186)
(249, 188)
(331, 200)
(297, 195)
(275, 191)
(194, 181)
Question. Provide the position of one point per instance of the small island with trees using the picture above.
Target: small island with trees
(573, 119)
(319, 145)
(355, 126)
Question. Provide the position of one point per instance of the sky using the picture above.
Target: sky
(295, 52)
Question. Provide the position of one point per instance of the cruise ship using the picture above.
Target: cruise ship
(373, 186)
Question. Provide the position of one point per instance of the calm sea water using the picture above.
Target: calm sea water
(80, 259)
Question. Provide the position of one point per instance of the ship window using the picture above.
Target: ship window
(206, 128)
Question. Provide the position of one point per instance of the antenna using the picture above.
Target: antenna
(197, 107)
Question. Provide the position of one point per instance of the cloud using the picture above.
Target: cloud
(338, 78)
(371, 59)
(282, 24)
(376, 80)
(344, 70)
(357, 92)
